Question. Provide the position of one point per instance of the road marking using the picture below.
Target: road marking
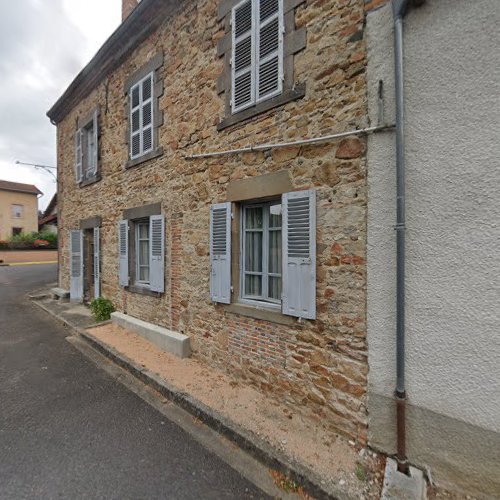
(31, 263)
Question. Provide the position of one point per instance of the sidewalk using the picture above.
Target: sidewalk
(27, 257)
(297, 451)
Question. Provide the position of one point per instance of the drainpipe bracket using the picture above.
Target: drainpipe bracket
(400, 227)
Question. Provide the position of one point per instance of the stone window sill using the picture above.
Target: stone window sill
(297, 92)
(90, 180)
(262, 313)
(142, 290)
(142, 159)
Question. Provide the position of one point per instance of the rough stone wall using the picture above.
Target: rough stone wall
(319, 367)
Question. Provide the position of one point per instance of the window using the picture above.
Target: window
(90, 157)
(16, 231)
(17, 211)
(257, 52)
(261, 252)
(142, 252)
(258, 48)
(141, 117)
(141, 245)
(87, 149)
(277, 253)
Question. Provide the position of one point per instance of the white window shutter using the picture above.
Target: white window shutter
(269, 51)
(243, 56)
(157, 253)
(123, 252)
(78, 155)
(95, 152)
(76, 266)
(299, 254)
(220, 253)
(97, 262)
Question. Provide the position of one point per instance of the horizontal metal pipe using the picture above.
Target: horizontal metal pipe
(301, 142)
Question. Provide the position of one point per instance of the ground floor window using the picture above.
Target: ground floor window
(16, 231)
(142, 239)
(261, 251)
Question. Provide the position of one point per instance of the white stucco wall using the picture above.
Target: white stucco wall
(452, 80)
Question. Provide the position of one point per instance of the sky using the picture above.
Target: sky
(43, 45)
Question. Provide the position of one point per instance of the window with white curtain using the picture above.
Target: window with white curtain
(142, 252)
(261, 252)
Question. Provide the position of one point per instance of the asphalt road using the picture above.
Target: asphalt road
(69, 430)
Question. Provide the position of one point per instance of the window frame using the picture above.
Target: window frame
(21, 212)
(137, 265)
(264, 300)
(140, 107)
(256, 26)
(293, 41)
(88, 166)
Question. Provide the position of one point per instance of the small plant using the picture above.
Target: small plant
(101, 308)
(360, 472)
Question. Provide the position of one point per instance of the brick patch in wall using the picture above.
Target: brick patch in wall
(257, 342)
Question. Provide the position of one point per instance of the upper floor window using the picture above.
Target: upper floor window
(87, 149)
(257, 29)
(259, 46)
(141, 117)
(144, 88)
(17, 211)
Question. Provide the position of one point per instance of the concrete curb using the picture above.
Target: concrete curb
(253, 445)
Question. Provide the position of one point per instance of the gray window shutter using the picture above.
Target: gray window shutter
(220, 253)
(97, 262)
(78, 155)
(299, 254)
(123, 252)
(269, 49)
(95, 152)
(76, 266)
(157, 253)
(243, 57)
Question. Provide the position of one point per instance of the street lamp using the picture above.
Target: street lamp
(46, 168)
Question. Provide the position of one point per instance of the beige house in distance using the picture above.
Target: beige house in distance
(18, 208)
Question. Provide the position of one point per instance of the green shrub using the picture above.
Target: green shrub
(102, 308)
(26, 240)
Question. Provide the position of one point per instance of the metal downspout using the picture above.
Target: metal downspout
(399, 9)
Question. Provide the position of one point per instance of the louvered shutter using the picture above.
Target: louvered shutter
(243, 57)
(123, 252)
(97, 262)
(95, 151)
(269, 48)
(157, 253)
(76, 266)
(220, 253)
(147, 114)
(78, 156)
(135, 121)
(299, 254)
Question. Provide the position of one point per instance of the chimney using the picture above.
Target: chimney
(127, 7)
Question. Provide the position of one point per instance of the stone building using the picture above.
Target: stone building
(213, 179)
(18, 208)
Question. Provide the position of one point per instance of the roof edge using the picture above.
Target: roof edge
(144, 19)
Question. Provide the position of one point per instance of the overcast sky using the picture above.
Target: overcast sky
(43, 45)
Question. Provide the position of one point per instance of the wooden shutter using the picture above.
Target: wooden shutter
(78, 155)
(97, 262)
(243, 57)
(299, 254)
(157, 253)
(269, 49)
(95, 152)
(123, 252)
(135, 121)
(147, 113)
(76, 266)
(220, 253)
